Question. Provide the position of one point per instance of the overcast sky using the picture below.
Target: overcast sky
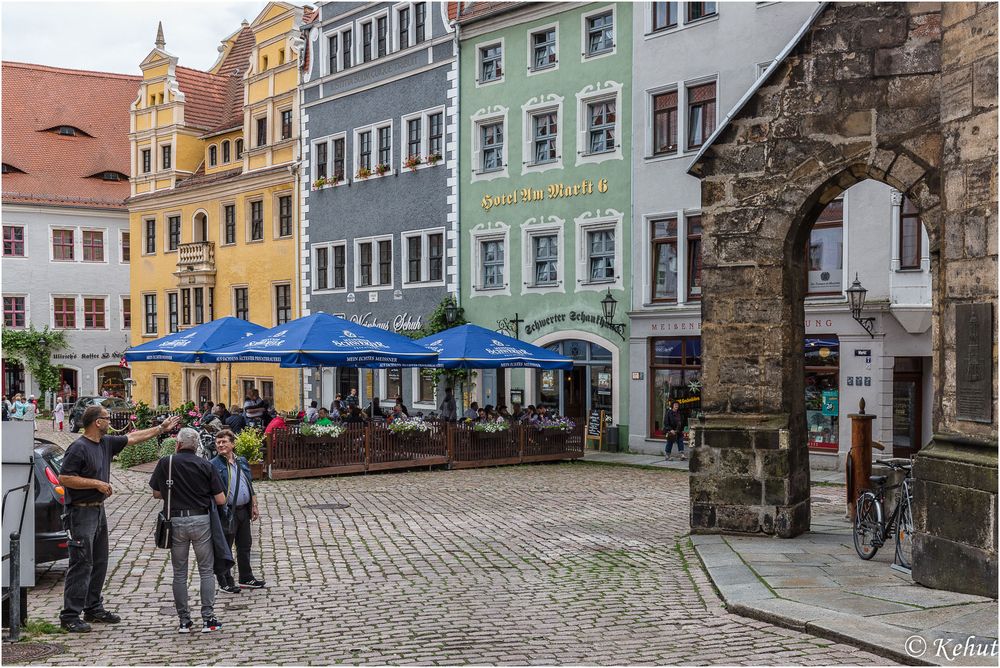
(116, 36)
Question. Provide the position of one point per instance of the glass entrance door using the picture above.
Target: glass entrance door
(588, 385)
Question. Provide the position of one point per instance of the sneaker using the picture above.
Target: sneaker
(683, 457)
(102, 616)
(75, 625)
(230, 589)
(185, 627)
(211, 624)
(253, 584)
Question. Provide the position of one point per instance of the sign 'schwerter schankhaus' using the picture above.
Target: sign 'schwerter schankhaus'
(552, 191)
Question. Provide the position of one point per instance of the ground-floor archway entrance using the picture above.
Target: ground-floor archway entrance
(589, 385)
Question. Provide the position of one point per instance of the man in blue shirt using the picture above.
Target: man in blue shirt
(234, 471)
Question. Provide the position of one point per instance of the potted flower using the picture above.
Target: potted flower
(381, 168)
(412, 162)
(363, 173)
(322, 431)
(250, 444)
(319, 183)
(336, 178)
(433, 158)
(497, 427)
(408, 426)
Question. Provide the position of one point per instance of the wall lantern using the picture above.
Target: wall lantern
(856, 295)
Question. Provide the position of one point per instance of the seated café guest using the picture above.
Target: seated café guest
(276, 422)
(312, 413)
(481, 415)
(236, 422)
(223, 411)
(542, 413)
(529, 415)
(323, 417)
(402, 406)
(398, 413)
(355, 416)
(473, 412)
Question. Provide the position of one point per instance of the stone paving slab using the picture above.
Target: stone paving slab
(825, 589)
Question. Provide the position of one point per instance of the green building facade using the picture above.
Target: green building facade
(545, 195)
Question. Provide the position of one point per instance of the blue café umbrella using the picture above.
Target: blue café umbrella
(321, 339)
(475, 347)
(190, 345)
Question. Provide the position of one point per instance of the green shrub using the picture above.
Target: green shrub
(168, 447)
(139, 453)
(249, 443)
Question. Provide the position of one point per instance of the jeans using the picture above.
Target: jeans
(88, 561)
(679, 437)
(243, 539)
(196, 531)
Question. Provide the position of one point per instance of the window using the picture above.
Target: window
(543, 49)
(701, 113)
(413, 140)
(664, 15)
(404, 27)
(600, 33)
(374, 262)
(545, 135)
(126, 312)
(211, 304)
(262, 131)
(226, 157)
(366, 41)
(665, 123)
(286, 124)
(239, 149)
(93, 246)
(664, 240)
(267, 390)
(420, 9)
(385, 146)
(263, 63)
(13, 312)
(229, 223)
(241, 305)
(93, 313)
(822, 381)
(490, 63)
(546, 256)
(393, 384)
(322, 268)
(382, 35)
(199, 306)
(282, 304)
(285, 216)
(425, 387)
(147, 161)
(674, 370)
(338, 159)
(13, 241)
(435, 134)
(365, 263)
(365, 150)
(414, 247)
(67, 131)
(601, 121)
(186, 306)
(492, 146)
(348, 47)
(162, 391)
(694, 257)
(339, 267)
(173, 232)
(424, 257)
(256, 220)
(321, 157)
(435, 257)
(909, 236)
(601, 255)
(825, 253)
(385, 262)
(166, 156)
(492, 252)
(150, 235)
(62, 244)
(331, 49)
(113, 176)
(172, 313)
(213, 156)
(700, 10)
(64, 312)
(126, 247)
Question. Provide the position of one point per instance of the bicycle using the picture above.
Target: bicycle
(872, 528)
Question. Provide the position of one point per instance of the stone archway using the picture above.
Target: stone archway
(868, 91)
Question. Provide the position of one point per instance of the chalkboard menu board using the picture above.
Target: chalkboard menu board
(595, 423)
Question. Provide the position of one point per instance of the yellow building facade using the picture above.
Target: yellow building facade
(214, 208)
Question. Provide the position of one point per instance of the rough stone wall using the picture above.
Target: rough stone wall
(956, 477)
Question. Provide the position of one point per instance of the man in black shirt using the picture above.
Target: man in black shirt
(195, 487)
(86, 475)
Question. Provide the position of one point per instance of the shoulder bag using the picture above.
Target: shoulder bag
(164, 532)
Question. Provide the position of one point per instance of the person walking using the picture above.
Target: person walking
(241, 499)
(674, 422)
(194, 488)
(86, 476)
(448, 408)
(18, 405)
(58, 414)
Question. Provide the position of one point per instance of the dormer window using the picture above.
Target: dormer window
(11, 169)
(112, 176)
(67, 131)
(213, 156)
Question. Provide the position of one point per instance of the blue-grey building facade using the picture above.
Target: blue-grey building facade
(378, 179)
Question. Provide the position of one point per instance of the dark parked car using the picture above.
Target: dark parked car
(113, 404)
(50, 537)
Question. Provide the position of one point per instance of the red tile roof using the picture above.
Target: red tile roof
(237, 61)
(59, 170)
(214, 101)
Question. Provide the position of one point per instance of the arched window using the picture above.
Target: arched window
(225, 152)
(213, 155)
(239, 149)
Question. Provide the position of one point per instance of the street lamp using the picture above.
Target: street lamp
(856, 296)
(451, 312)
(608, 306)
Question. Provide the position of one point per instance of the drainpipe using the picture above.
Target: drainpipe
(458, 189)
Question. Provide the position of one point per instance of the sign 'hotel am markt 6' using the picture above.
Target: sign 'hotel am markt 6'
(551, 191)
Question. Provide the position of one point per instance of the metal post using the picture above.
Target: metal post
(14, 600)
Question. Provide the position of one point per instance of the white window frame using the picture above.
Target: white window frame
(584, 34)
(248, 220)
(590, 95)
(27, 308)
(493, 231)
(532, 71)
(104, 243)
(222, 222)
(682, 125)
(423, 235)
(107, 312)
(274, 301)
(682, 22)
(121, 244)
(374, 240)
(531, 108)
(359, 31)
(77, 243)
(254, 118)
(483, 117)
(77, 310)
(542, 227)
(276, 214)
(415, 390)
(356, 157)
(425, 130)
(503, 62)
(329, 246)
(651, 93)
(121, 312)
(594, 221)
(411, 30)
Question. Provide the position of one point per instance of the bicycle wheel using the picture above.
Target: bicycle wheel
(866, 526)
(904, 532)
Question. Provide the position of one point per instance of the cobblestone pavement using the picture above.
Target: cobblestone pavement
(546, 564)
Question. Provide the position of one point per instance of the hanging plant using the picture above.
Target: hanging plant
(34, 349)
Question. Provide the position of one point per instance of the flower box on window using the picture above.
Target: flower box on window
(412, 162)
(363, 173)
(381, 168)
(433, 159)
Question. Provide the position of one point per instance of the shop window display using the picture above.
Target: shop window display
(822, 381)
(675, 375)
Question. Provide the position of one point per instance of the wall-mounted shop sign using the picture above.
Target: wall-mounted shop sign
(86, 356)
(571, 316)
(400, 323)
(551, 191)
(676, 326)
